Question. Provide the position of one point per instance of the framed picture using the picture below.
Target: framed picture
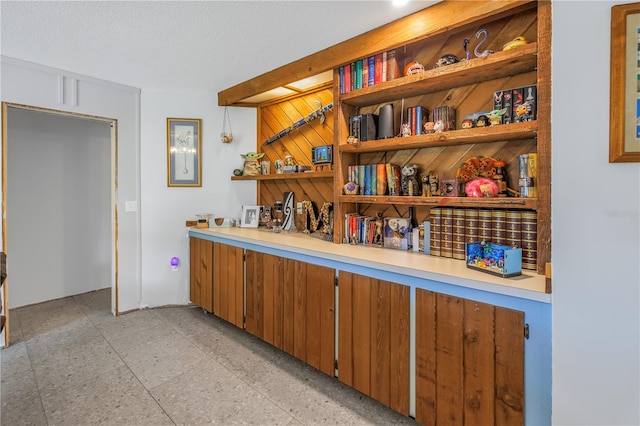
(250, 216)
(184, 145)
(624, 94)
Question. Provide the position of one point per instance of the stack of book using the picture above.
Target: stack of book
(453, 228)
(369, 71)
(416, 117)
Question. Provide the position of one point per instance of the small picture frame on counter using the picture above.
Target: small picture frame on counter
(250, 216)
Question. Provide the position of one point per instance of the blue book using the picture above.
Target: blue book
(374, 179)
(341, 79)
(361, 178)
(371, 71)
(367, 179)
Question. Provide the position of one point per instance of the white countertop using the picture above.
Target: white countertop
(529, 285)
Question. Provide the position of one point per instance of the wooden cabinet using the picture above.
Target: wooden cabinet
(291, 305)
(468, 87)
(201, 273)
(373, 338)
(469, 362)
(228, 283)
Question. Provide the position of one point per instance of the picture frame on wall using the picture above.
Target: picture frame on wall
(184, 146)
(624, 94)
(250, 216)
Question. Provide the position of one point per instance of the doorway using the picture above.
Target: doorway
(59, 198)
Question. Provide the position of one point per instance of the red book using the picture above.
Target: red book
(384, 66)
(377, 67)
(347, 78)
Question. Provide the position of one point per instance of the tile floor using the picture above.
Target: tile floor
(72, 363)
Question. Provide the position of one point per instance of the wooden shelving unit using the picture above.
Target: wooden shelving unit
(288, 176)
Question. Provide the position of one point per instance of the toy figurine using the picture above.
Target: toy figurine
(409, 180)
(495, 116)
(434, 185)
(465, 46)
(413, 67)
(428, 127)
(251, 164)
(438, 126)
(377, 238)
(486, 52)
(467, 123)
(482, 121)
(425, 185)
(405, 130)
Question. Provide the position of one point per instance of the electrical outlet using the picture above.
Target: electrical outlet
(299, 207)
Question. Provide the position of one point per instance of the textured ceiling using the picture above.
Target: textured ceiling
(205, 45)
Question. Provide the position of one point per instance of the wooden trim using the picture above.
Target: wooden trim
(428, 22)
(5, 305)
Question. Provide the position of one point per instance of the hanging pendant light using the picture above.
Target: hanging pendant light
(226, 136)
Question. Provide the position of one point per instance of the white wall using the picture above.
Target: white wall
(58, 206)
(36, 85)
(596, 232)
(165, 209)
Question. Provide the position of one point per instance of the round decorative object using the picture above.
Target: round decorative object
(467, 124)
(413, 67)
(350, 188)
(226, 136)
(237, 172)
(482, 121)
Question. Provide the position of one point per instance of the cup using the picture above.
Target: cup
(279, 167)
(266, 167)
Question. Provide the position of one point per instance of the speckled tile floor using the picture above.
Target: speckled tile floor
(72, 363)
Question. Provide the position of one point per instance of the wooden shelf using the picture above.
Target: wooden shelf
(503, 132)
(515, 203)
(500, 64)
(286, 176)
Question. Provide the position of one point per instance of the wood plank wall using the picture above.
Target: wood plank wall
(298, 143)
(469, 362)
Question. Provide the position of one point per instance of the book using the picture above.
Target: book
(484, 225)
(383, 73)
(361, 178)
(381, 177)
(377, 69)
(374, 178)
(393, 179)
(365, 73)
(426, 244)
(435, 216)
(396, 233)
(498, 227)
(347, 78)
(393, 71)
(458, 247)
(341, 73)
(371, 71)
(358, 74)
(446, 232)
(367, 179)
(513, 228)
(529, 233)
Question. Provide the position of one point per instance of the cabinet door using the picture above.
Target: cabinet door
(228, 283)
(309, 314)
(469, 362)
(201, 273)
(373, 339)
(291, 305)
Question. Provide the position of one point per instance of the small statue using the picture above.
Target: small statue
(495, 116)
(409, 180)
(465, 46)
(434, 185)
(482, 121)
(405, 130)
(467, 123)
(251, 163)
(428, 127)
(426, 192)
(445, 60)
(377, 238)
(486, 52)
(438, 126)
(516, 42)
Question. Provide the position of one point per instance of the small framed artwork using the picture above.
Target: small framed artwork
(449, 188)
(624, 93)
(184, 145)
(250, 216)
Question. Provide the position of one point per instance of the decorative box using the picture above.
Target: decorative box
(495, 259)
(397, 233)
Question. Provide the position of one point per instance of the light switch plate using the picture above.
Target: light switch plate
(130, 206)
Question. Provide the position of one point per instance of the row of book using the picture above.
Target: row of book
(376, 179)
(451, 228)
(369, 71)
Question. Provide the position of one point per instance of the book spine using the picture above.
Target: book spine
(514, 234)
(381, 178)
(365, 73)
(392, 66)
(531, 96)
(341, 72)
(347, 78)
(367, 179)
(377, 73)
(372, 72)
(529, 230)
(532, 172)
(498, 227)
(458, 249)
(359, 74)
(484, 225)
(374, 178)
(353, 76)
(391, 180)
(471, 226)
(361, 177)
(435, 240)
(447, 232)
(397, 183)
(507, 117)
(383, 76)
(427, 237)
(414, 120)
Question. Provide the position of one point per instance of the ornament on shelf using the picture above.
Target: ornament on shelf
(486, 52)
(226, 136)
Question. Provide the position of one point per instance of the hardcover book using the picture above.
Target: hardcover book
(436, 225)
(381, 178)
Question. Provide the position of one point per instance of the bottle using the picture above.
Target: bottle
(500, 179)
